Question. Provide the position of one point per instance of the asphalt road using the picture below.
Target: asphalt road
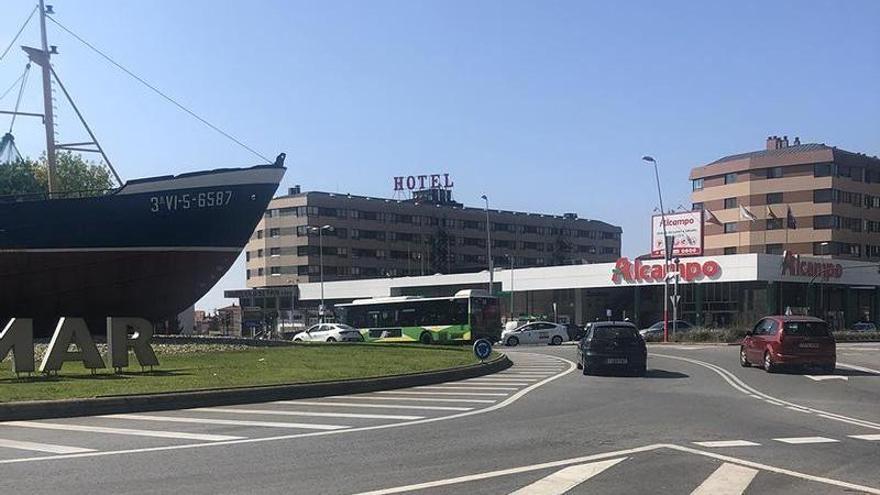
(697, 423)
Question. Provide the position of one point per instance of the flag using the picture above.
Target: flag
(770, 213)
(745, 214)
(790, 222)
(710, 217)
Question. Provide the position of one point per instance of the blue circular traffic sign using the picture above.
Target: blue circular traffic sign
(482, 349)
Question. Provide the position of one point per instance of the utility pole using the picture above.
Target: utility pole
(488, 244)
(667, 252)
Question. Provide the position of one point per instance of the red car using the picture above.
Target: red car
(789, 340)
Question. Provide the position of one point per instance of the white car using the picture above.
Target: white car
(538, 332)
(329, 332)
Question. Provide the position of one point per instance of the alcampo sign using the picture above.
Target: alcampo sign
(123, 334)
(793, 265)
(634, 272)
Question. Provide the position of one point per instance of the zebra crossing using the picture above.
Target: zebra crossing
(334, 414)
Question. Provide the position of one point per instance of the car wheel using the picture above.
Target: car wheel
(512, 341)
(425, 338)
(556, 340)
(743, 360)
(579, 365)
(297, 340)
(331, 340)
(769, 367)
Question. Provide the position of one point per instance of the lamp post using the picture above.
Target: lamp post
(511, 258)
(666, 252)
(488, 244)
(320, 231)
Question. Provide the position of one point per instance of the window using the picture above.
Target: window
(823, 195)
(826, 222)
(259, 234)
(610, 235)
(729, 203)
(730, 178)
(259, 272)
(327, 212)
(730, 250)
(275, 251)
(608, 250)
(247, 274)
(247, 256)
(729, 227)
(697, 184)
(275, 271)
(773, 249)
(823, 170)
(774, 172)
(774, 223)
(825, 248)
(275, 232)
(259, 253)
(774, 198)
(696, 206)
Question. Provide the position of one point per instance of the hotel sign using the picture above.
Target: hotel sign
(419, 182)
(637, 272)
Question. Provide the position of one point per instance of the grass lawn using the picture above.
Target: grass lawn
(237, 368)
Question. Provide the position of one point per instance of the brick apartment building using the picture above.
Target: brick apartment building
(430, 233)
(810, 199)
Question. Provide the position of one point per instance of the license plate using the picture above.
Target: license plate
(809, 346)
(616, 361)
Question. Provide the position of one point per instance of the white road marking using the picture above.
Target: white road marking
(506, 402)
(225, 422)
(803, 440)
(619, 453)
(280, 412)
(741, 386)
(727, 443)
(775, 403)
(425, 399)
(42, 447)
(798, 409)
(487, 382)
(872, 437)
(729, 479)
(565, 479)
(859, 368)
(773, 469)
(122, 431)
(465, 387)
(375, 406)
(481, 394)
(822, 378)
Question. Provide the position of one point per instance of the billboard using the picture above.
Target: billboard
(686, 227)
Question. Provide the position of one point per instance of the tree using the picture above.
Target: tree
(72, 172)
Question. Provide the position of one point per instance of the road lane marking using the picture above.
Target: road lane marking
(486, 382)
(741, 386)
(282, 412)
(500, 405)
(375, 406)
(42, 447)
(225, 422)
(122, 431)
(466, 387)
(565, 479)
(727, 443)
(509, 471)
(871, 438)
(425, 399)
(803, 440)
(729, 479)
(773, 469)
(480, 394)
(798, 409)
(858, 368)
(822, 378)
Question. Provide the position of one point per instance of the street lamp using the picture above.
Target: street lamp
(666, 251)
(488, 243)
(511, 258)
(320, 231)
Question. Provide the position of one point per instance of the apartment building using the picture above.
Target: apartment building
(367, 237)
(809, 199)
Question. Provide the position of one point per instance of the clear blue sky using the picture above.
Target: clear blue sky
(544, 106)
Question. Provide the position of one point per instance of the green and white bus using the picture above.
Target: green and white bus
(464, 317)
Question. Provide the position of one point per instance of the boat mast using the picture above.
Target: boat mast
(48, 117)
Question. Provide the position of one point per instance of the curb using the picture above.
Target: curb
(224, 397)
